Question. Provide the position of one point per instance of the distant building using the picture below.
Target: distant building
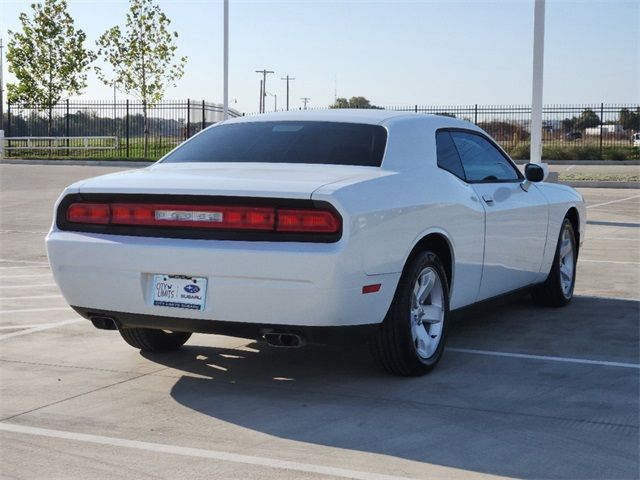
(606, 130)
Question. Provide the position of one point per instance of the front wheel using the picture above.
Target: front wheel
(152, 340)
(557, 290)
(411, 339)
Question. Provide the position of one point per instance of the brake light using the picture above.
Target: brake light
(317, 221)
(94, 213)
(224, 217)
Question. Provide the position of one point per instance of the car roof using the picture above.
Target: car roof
(351, 115)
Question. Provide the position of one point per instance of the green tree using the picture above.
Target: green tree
(142, 56)
(587, 119)
(630, 120)
(353, 102)
(48, 58)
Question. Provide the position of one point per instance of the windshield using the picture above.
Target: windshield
(286, 142)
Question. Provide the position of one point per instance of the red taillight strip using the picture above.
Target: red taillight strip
(195, 216)
(222, 217)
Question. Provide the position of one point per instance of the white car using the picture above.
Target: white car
(315, 227)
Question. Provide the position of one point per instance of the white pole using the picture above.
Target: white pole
(536, 97)
(226, 60)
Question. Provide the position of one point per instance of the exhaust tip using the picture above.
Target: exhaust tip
(104, 323)
(283, 339)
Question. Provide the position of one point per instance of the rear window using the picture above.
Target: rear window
(287, 142)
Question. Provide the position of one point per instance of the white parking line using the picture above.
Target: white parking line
(30, 285)
(601, 363)
(31, 262)
(40, 328)
(612, 201)
(18, 327)
(30, 275)
(198, 453)
(24, 266)
(29, 297)
(31, 310)
(619, 262)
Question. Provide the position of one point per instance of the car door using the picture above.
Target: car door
(515, 220)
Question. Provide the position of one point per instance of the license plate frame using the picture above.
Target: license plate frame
(179, 291)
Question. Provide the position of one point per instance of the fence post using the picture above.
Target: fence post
(188, 118)
(601, 124)
(8, 127)
(475, 114)
(126, 127)
(202, 115)
(66, 126)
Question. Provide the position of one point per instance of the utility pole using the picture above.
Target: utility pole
(260, 99)
(305, 100)
(263, 89)
(225, 61)
(287, 78)
(536, 96)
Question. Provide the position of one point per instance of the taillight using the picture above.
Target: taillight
(196, 216)
(93, 213)
(304, 220)
(224, 217)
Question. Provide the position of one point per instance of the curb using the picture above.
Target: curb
(583, 162)
(79, 163)
(600, 184)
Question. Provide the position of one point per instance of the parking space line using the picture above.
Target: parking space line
(31, 262)
(3, 287)
(40, 328)
(30, 275)
(619, 262)
(613, 201)
(32, 310)
(17, 327)
(23, 267)
(29, 297)
(602, 363)
(197, 452)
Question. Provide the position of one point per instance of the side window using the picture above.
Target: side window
(448, 158)
(482, 162)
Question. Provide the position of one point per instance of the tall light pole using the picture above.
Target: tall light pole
(1, 90)
(225, 94)
(288, 79)
(263, 90)
(536, 96)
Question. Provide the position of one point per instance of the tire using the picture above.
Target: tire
(152, 340)
(557, 290)
(399, 346)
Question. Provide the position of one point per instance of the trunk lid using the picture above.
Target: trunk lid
(228, 179)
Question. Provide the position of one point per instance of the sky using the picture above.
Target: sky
(444, 52)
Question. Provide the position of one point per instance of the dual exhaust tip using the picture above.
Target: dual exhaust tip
(283, 339)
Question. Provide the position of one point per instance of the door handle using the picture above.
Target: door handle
(488, 199)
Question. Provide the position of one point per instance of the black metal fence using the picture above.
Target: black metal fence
(586, 131)
(169, 123)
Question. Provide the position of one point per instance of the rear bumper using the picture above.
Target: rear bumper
(322, 335)
(256, 283)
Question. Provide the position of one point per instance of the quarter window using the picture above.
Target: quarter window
(481, 160)
(448, 158)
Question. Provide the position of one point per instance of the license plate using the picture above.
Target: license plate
(179, 291)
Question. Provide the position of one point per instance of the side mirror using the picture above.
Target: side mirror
(533, 173)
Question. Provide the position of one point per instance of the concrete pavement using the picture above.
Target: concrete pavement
(522, 391)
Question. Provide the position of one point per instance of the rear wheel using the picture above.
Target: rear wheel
(152, 340)
(557, 290)
(411, 339)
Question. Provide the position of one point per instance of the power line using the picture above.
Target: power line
(305, 100)
(263, 88)
(287, 78)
